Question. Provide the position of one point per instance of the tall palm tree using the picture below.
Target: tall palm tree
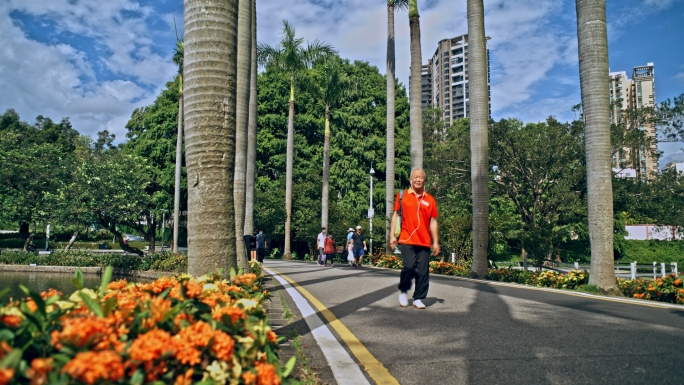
(251, 133)
(592, 47)
(178, 60)
(331, 87)
(244, 67)
(479, 124)
(391, 76)
(416, 108)
(210, 68)
(293, 57)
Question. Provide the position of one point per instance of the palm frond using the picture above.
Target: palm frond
(398, 4)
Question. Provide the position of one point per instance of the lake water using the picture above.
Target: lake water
(42, 281)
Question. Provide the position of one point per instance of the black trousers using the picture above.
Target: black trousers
(261, 252)
(416, 261)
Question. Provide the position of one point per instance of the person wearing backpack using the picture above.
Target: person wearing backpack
(414, 227)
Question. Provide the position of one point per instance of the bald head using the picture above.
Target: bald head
(418, 180)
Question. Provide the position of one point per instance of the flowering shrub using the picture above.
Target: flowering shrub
(667, 289)
(162, 261)
(448, 268)
(553, 279)
(175, 330)
(388, 260)
(512, 275)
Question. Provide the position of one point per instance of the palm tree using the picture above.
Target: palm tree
(251, 133)
(479, 124)
(331, 87)
(211, 38)
(592, 47)
(244, 67)
(391, 76)
(178, 60)
(416, 109)
(291, 56)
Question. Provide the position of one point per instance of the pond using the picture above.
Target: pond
(42, 281)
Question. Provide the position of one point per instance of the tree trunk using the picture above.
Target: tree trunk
(179, 165)
(210, 67)
(389, 170)
(416, 109)
(71, 241)
(111, 226)
(244, 67)
(479, 146)
(287, 254)
(326, 169)
(592, 47)
(151, 235)
(251, 133)
(28, 241)
(24, 230)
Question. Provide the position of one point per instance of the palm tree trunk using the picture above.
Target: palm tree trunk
(251, 133)
(479, 146)
(389, 170)
(210, 68)
(416, 109)
(244, 67)
(72, 240)
(287, 254)
(179, 164)
(592, 45)
(326, 169)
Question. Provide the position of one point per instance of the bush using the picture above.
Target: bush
(448, 268)
(164, 261)
(174, 330)
(647, 252)
(387, 260)
(668, 289)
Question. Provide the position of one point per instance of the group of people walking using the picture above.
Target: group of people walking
(355, 245)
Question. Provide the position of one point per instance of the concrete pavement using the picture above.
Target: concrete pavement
(479, 333)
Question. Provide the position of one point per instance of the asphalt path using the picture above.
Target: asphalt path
(479, 333)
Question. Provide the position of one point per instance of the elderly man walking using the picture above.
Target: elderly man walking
(418, 233)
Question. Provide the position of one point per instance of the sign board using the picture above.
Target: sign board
(371, 213)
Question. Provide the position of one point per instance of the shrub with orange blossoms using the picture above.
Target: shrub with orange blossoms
(175, 330)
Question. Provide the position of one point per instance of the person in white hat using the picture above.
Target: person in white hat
(348, 246)
(359, 247)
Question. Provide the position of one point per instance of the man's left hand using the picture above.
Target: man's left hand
(435, 249)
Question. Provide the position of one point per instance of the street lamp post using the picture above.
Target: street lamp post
(371, 212)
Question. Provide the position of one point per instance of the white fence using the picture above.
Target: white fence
(633, 270)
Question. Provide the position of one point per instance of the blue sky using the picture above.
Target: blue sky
(95, 61)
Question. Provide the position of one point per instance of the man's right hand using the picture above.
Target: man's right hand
(393, 241)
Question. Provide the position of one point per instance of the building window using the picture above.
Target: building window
(446, 95)
(447, 113)
(446, 72)
(446, 101)
(446, 53)
(446, 84)
(446, 77)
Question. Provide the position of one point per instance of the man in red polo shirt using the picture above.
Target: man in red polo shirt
(419, 233)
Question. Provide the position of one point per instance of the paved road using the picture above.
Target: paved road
(479, 333)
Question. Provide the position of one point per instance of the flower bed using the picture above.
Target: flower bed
(552, 279)
(668, 289)
(178, 330)
(163, 261)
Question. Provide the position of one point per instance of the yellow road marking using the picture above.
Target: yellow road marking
(375, 369)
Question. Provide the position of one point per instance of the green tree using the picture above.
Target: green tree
(211, 42)
(244, 68)
(479, 145)
(415, 87)
(593, 63)
(292, 57)
(391, 111)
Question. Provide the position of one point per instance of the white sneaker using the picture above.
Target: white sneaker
(418, 304)
(403, 301)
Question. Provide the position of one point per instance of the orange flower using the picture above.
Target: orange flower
(159, 307)
(31, 304)
(4, 349)
(191, 338)
(6, 376)
(234, 313)
(38, 373)
(11, 321)
(245, 279)
(248, 377)
(266, 374)
(90, 367)
(272, 337)
(677, 282)
(151, 345)
(83, 331)
(117, 285)
(222, 346)
(185, 379)
(50, 293)
(193, 289)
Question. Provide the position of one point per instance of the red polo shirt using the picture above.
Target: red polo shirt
(418, 211)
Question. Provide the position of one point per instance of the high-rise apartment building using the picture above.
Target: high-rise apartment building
(634, 93)
(444, 79)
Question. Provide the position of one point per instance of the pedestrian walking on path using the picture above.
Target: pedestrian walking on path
(320, 243)
(350, 246)
(359, 247)
(329, 250)
(416, 212)
(261, 246)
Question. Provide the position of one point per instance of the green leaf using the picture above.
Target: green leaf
(289, 366)
(61, 358)
(12, 359)
(138, 377)
(77, 281)
(109, 305)
(31, 316)
(233, 273)
(6, 335)
(4, 291)
(92, 304)
(106, 278)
